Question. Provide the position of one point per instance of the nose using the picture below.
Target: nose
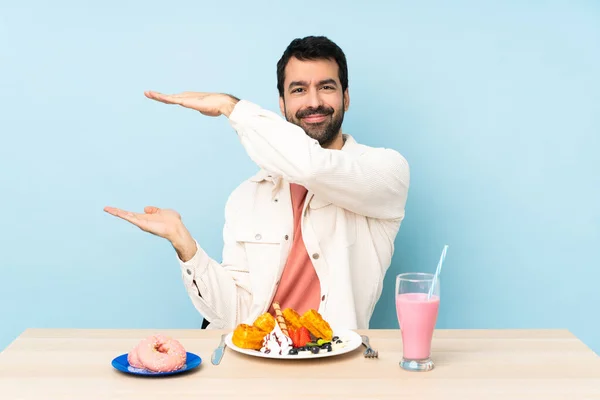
(313, 99)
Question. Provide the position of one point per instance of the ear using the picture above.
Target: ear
(282, 106)
(346, 100)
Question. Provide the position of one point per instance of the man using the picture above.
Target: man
(315, 227)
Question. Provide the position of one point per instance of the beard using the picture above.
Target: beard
(325, 131)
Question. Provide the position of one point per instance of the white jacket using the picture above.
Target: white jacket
(352, 213)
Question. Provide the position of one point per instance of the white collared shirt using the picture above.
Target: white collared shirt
(352, 213)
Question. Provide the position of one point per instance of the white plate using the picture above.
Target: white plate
(350, 338)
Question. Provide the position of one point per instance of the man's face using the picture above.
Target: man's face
(313, 98)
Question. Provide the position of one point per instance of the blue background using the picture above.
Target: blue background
(495, 106)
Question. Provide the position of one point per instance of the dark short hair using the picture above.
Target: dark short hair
(313, 48)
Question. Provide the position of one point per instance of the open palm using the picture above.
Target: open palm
(159, 222)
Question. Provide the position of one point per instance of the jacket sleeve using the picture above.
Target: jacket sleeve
(374, 183)
(221, 292)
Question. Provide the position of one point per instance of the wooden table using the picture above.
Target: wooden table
(476, 364)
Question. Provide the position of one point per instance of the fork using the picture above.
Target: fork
(369, 352)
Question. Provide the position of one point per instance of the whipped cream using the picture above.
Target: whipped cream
(276, 342)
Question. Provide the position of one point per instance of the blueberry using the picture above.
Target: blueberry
(338, 342)
(327, 347)
(293, 352)
(335, 338)
(303, 348)
(314, 350)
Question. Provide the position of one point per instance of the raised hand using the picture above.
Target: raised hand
(211, 104)
(161, 222)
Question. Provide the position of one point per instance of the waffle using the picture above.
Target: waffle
(248, 337)
(265, 322)
(316, 325)
(292, 318)
(251, 336)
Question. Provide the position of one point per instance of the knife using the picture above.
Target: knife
(217, 355)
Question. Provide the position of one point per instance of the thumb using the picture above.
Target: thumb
(151, 210)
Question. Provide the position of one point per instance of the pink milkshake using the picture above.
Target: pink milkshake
(417, 317)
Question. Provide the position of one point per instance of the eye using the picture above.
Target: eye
(297, 90)
(328, 87)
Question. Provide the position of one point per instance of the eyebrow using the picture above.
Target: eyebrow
(304, 83)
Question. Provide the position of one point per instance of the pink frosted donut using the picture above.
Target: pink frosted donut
(161, 353)
(133, 358)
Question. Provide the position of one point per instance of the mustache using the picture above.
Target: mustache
(314, 111)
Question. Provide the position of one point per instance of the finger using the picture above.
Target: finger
(163, 98)
(151, 210)
(152, 94)
(134, 218)
(187, 95)
(183, 95)
(179, 99)
(186, 102)
(111, 210)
